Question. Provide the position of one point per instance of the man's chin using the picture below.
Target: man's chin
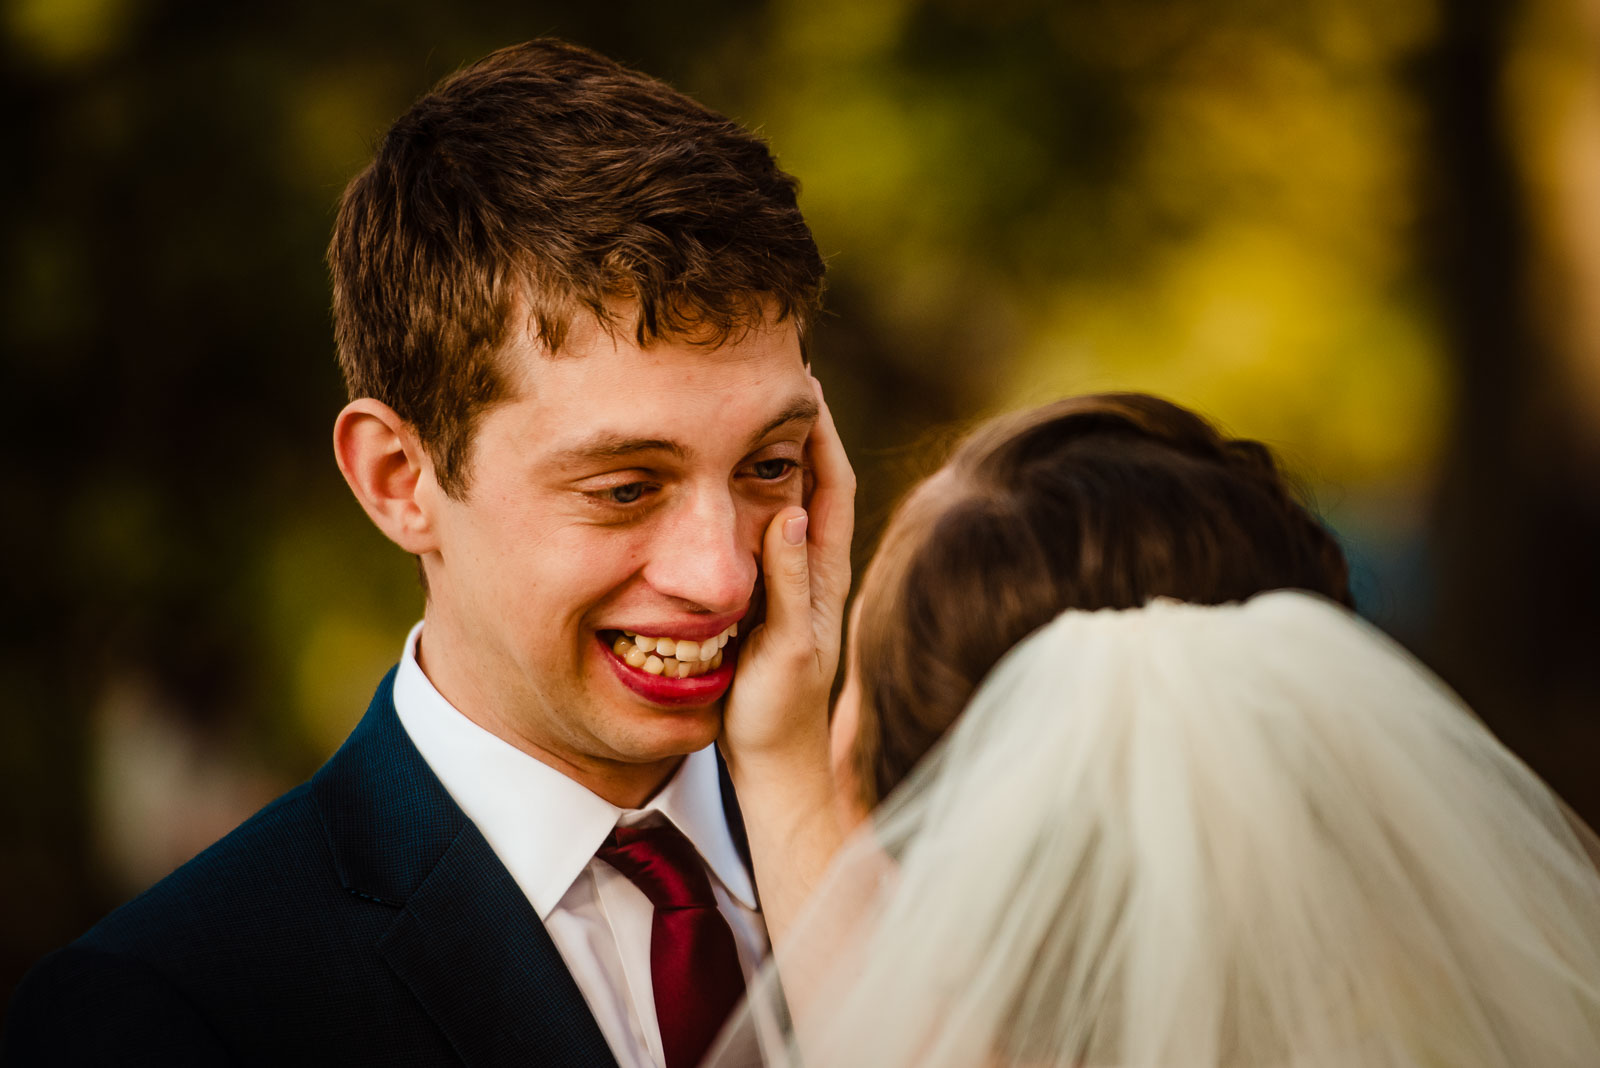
(646, 731)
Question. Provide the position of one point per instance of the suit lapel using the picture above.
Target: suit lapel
(472, 950)
(735, 818)
(465, 940)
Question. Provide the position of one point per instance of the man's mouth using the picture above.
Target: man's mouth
(682, 672)
(670, 658)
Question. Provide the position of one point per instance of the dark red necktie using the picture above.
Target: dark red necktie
(694, 966)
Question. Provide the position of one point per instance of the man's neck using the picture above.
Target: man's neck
(623, 784)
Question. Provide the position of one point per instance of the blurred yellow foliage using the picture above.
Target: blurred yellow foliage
(341, 658)
(335, 601)
(336, 117)
(1275, 343)
(1553, 106)
(1251, 257)
(63, 33)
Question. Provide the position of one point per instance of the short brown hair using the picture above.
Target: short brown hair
(548, 179)
(1102, 501)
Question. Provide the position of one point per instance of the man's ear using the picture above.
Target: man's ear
(387, 469)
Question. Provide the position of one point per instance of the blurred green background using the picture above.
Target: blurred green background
(1365, 231)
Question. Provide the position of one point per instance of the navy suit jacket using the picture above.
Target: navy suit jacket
(359, 919)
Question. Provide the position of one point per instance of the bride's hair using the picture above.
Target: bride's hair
(1247, 830)
(1100, 501)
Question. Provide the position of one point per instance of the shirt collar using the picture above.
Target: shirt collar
(692, 801)
(544, 827)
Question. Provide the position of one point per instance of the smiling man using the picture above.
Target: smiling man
(595, 572)
(569, 304)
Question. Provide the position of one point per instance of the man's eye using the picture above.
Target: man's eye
(772, 470)
(625, 494)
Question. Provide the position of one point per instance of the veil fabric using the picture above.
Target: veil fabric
(1256, 835)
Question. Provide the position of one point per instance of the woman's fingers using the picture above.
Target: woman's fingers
(832, 509)
(786, 665)
(787, 572)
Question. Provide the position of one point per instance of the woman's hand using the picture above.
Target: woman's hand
(778, 707)
(775, 725)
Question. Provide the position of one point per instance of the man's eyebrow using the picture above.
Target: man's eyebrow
(801, 408)
(605, 446)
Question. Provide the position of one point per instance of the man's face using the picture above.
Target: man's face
(623, 491)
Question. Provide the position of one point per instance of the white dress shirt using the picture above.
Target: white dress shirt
(545, 828)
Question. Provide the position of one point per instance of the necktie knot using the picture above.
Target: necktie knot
(662, 863)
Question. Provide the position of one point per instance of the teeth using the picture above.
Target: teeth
(629, 652)
(673, 668)
(672, 658)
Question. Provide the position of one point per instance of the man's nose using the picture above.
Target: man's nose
(705, 554)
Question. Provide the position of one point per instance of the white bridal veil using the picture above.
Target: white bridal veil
(1253, 835)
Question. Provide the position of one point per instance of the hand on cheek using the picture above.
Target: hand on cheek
(778, 706)
(775, 725)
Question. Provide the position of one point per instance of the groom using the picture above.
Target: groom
(569, 305)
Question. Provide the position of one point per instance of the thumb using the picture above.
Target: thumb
(788, 576)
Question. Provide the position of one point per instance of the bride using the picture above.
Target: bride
(1131, 807)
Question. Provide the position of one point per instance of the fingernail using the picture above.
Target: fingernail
(794, 530)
